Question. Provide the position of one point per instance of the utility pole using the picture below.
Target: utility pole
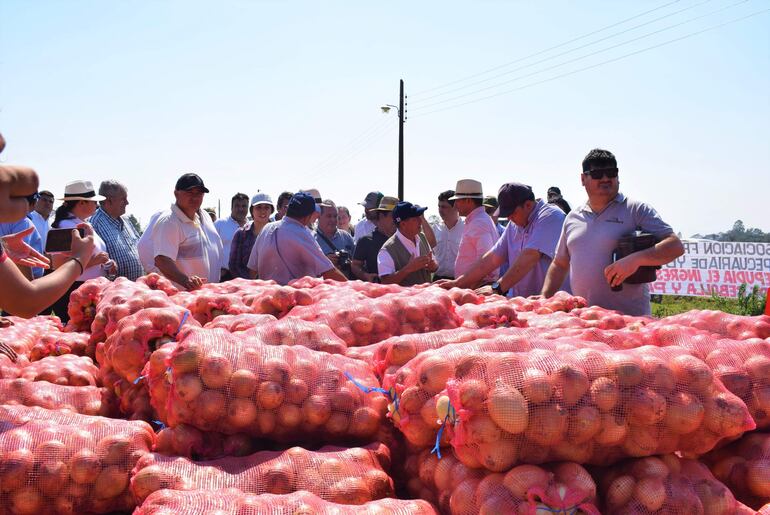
(401, 118)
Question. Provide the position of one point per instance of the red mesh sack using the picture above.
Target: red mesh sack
(205, 305)
(155, 281)
(22, 334)
(322, 288)
(190, 442)
(82, 304)
(586, 406)
(461, 296)
(527, 489)
(363, 321)
(664, 484)
(87, 400)
(501, 313)
(293, 331)
(234, 502)
(219, 381)
(123, 298)
(62, 462)
(55, 343)
(68, 370)
(269, 298)
(735, 327)
(561, 301)
(349, 476)
(237, 323)
(764, 510)
(744, 467)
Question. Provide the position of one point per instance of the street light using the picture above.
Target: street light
(400, 110)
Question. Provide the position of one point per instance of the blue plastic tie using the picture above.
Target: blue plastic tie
(369, 389)
(136, 381)
(184, 319)
(437, 447)
(160, 424)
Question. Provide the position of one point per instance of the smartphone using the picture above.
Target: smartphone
(60, 240)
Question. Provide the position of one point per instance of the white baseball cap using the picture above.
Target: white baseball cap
(262, 198)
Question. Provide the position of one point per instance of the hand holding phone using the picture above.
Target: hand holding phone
(60, 240)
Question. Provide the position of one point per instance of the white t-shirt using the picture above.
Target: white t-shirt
(193, 245)
(226, 228)
(363, 228)
(447, 247)
(385, 264)
(92, 272)
(144, 245)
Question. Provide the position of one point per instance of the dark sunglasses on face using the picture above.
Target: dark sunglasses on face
(610, 173)
(32, 198)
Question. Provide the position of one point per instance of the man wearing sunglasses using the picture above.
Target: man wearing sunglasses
(591, 233)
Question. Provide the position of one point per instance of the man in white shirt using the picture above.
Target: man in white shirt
(366, 226)
(448, 235)
(186, 246)
(479, 232)
(42, 213)
(227, 227)
(406, 258)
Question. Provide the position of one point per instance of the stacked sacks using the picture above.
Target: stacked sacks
(86, 400)
(744, 467)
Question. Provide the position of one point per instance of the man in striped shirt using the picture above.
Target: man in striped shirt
(118, 233)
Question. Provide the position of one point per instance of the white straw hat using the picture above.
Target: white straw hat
(467, 188)
(80, 190)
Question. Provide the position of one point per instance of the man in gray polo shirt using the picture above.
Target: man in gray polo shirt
(286, 250)
(591, 233)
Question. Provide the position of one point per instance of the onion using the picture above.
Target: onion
(463, 497)
(270, 395)
(185, 359)
(572, 383)
(604, 393)
(26, 500)
(646, 407)
(442, 474)
(211, 405)
(620, 492)
(215, 370)
(297, 391)
(584, 424)
(725, 415)
(243, 383)
(85, 467)
(473, 393)
(651, 493)
(684, 414)
(434, 374)
(401, 352)
(758, 478)
(537, 387)
(519, 480)
(693, 372)
(148, 480)
(498, 456)
(241, 413)
(188, 387)
(279, 479)
(337, 424)
(547, 424)
(289, 415)
(365, 422)
(52, 476)
(508, 409)
(481, 429)
(110, 483)
(316, 410)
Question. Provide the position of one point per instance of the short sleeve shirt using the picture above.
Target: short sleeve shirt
(144, 245)
(41, 224)
(33, 239)
(226, 228)
(367, 249)
(447, 247)
(363, 228)
(541, 234)
(121, 238)
(342, 240)
(193, 248)
(479, 235)
(286, 250)
(588, 240)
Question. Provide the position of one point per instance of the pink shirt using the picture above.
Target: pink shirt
(479, 235)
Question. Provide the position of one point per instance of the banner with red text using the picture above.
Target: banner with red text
(719, 267)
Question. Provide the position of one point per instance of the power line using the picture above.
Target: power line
(570, 61)
(596, 65)
(352, 143)
(490, 70)
(605, 38)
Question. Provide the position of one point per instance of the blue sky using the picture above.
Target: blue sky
(285, 95)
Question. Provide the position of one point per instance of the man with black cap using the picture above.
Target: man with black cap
(286, 250)
(364, 264)
(591, 234)
(366, 226)
(554, 197)
(528, 245)
(406, 258)
(185, 245)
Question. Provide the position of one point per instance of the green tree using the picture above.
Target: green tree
(135, 223)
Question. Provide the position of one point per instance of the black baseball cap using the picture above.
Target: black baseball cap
(407, 210)
(189, 181)
(302, 204)
(510, 196)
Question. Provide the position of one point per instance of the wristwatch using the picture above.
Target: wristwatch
(496, 288)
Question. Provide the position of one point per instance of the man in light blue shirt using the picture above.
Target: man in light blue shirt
(33, 240)
(332, 240)
(286, 250)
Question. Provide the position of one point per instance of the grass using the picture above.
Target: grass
(749, 302)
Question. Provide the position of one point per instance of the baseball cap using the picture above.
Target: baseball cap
(302, 204)
(387, 204)
(262, 198)
(490, 201)
(406, 210)
(372, 200)
(510, 196)
(189, 181)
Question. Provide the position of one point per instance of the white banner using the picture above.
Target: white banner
(719, 267)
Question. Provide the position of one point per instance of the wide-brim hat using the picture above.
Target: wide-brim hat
(468, 188)
(372, 200)
(387, 204)
(81, 190)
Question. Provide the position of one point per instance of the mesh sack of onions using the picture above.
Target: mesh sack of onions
(238, 323)
(67, 369)
(744, 467)
(86, 400)
(294, 331)
(156, 281)
(83, 301)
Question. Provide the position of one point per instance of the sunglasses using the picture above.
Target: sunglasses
(29, 198)
(610, 173)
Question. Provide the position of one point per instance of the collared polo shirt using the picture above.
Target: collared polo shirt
(121, 238)
(385, 264)
(286, 250)
(367, 250)
(363, 228)
(542, 234)
(479, 235)
(341, 239)
(193, 245)
(447, 247)
(226, 228)
(41, 224)
(588, 240)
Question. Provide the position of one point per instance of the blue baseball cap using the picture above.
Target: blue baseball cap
(302, 204)
(406, 210)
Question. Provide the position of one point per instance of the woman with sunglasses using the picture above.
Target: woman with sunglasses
(19, 296)
(80, 200)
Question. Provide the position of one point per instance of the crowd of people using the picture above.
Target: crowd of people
(513, 243)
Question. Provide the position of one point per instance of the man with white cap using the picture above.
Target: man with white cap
(186, 246)
(227, 227)
(366, 226)
(243, 240)
(479, 231)
(286, 250)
